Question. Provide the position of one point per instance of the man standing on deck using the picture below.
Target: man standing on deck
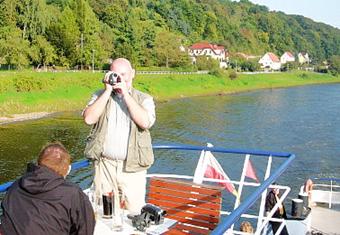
(120, 141)
(271, 200)
(43, 202)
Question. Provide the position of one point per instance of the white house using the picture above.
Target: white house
(287, 57)
(271, 61)
(209, 50)
(303, 57)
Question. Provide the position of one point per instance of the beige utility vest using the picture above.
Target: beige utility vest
(139, 155)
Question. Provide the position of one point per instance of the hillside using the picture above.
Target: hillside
(77, 33)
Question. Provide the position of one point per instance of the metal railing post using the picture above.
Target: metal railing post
(330, 195)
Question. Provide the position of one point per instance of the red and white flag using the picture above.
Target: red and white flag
(250, 171)
(209, 167)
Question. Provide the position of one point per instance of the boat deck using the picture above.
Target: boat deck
(325, 220)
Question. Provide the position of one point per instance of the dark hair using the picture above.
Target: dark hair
(55, 157)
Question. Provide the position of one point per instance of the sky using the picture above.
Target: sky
(325, 11)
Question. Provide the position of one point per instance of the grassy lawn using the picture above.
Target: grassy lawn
(175, 86)
(26, 91)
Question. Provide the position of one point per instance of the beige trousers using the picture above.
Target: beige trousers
(110, 176)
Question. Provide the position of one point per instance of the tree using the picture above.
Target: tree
(8, 12)
(60, 3)
(43, 52)
(115, 14)
(33, 18)
(167, 48)
(84, 30)
(125, 49)
(210, 31)
(141, 34)
(14, 49)
(335, 64)
(89, 27)
(64, 34)
(107, 47)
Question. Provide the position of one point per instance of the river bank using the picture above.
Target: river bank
(30, 95)
(22, 117)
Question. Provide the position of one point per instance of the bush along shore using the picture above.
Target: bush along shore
(33, 92)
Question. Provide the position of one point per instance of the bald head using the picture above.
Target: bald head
(55, 157)
(121, 62)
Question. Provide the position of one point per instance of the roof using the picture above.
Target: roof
(289, 54)
(206, 45)
(273, 57)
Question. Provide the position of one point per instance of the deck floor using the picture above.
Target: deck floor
(325, 220)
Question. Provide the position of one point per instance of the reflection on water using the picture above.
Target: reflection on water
(302, 120)
(21, 142)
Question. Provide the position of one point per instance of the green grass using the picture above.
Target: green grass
(175, 86)
(27, 91)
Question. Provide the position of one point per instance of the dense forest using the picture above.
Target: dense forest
(79, 33)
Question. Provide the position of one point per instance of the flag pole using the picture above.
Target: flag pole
(199, 172)
(264, 194)
(201, 166)
(243, 176)
(240, 187)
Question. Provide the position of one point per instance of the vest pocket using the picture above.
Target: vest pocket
(93, 148)
(145, 153)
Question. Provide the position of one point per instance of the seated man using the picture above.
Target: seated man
(43, 202)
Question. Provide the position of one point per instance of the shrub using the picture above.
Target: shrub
(26, 84)
(206, 63)
(217, 72)
(6, 84)
(233, 75)
(289, 66)
(249, 65)
(303, 75)
(321, 69)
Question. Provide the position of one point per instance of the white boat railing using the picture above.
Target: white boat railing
(226, 224)
(326, 193)
(264, 219)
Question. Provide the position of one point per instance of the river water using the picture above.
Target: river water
(301, 120)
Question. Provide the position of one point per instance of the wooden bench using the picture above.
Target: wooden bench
(196, 207)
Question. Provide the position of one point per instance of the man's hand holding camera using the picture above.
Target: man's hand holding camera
(121, 88)
(113, 82)
(108, 86)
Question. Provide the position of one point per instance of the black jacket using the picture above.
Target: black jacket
(42, 202)
(270, 203)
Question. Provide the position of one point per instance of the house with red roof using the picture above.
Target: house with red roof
(270, 61)
(287, 57)
(210, 51)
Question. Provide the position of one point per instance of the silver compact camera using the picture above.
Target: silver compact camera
(113, 78)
